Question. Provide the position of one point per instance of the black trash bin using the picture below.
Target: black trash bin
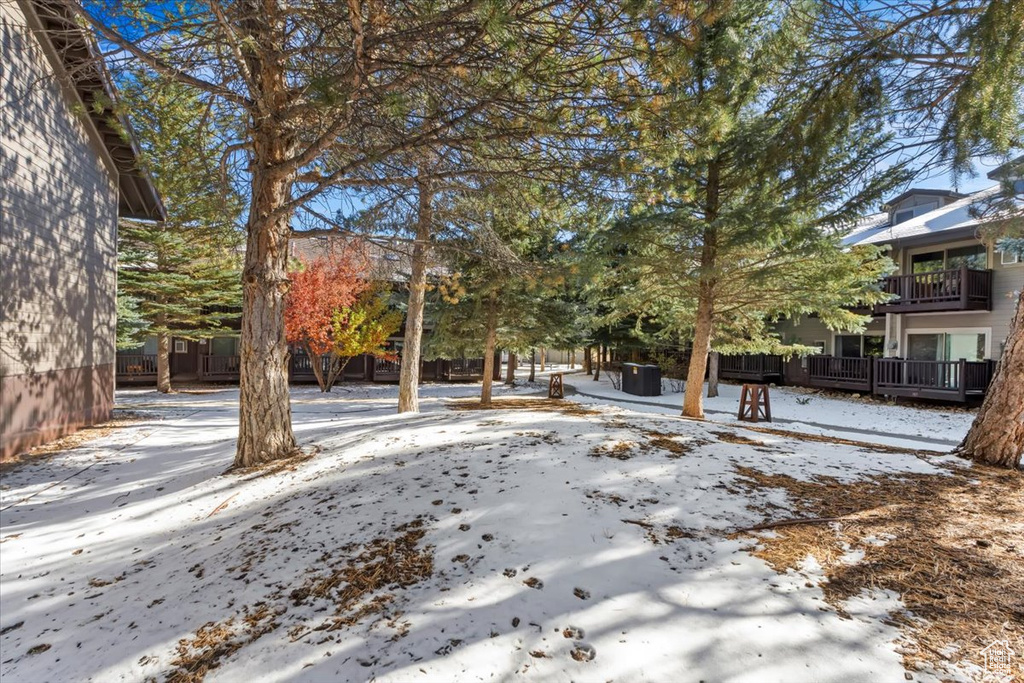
(641, 380)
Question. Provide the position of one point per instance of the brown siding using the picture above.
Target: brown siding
(58, 227)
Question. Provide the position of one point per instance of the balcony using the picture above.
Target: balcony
(943, 380)
(960, 289)
(753, 367)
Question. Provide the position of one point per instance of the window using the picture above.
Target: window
(874, 346)
(180, 346)
(860, 345)
(927, 262)
(820, 345)
(224, 346)
(1009, 258)
(946, 346)
(974, 257)
(908, 213)
(848, 346)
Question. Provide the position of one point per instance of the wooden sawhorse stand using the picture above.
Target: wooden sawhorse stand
(555, 387)
(755, 403)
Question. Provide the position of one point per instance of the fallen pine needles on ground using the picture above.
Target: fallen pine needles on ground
(950, 545)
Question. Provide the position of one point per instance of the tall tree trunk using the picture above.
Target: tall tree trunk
(409, 371)
(543, 358)
(587, 365)
(163, 362)
(713, 359)
(264, 407)
(572, 359)
(489, 342)
(510, 372)
(996, 436)
(693, 401)
(597, 365)
(533, 365)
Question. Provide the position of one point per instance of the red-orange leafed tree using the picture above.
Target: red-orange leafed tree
(318, 291)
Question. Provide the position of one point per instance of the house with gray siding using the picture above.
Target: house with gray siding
(67, 172)
(953, 296)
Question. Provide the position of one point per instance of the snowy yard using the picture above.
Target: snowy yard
(535, 541)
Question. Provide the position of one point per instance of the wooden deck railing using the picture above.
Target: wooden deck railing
(942, 379)
(134, 365)
(383, 366)
(754, 366)
(221, 365)
(839, 373)
(466, 367)
(960, 289)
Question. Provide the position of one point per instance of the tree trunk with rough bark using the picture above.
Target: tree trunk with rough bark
(572, 359)
(265, 415)
(693, 400)
(510, 372)
(533, 365)
(996, 436)
(713, 359)
(489, 342)
(543, 358)
(409, 370)
(587, 365)
(163, 363)
(597, 365)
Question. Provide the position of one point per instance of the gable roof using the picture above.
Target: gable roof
(83, 64)
(1001, 171)
(952, 218)
(921, 191)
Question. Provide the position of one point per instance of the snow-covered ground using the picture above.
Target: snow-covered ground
(936, 428)
(124, 559)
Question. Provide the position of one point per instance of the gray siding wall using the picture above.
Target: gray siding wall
(58, 203)
(58, 228)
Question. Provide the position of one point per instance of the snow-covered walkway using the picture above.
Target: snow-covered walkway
(935, 428)
(565, 544)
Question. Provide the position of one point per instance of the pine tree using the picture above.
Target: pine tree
(184, 272)
(746, 172)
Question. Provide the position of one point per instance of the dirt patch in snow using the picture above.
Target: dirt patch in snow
(538, 404)
(120, 419)
(951, 546)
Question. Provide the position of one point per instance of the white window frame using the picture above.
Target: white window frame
(180, 346)
(1003, 255)
(944, 248)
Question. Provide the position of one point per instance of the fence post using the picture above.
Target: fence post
(963, 287)
(962, 380)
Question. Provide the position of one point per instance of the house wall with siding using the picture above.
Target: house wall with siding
(58, 227)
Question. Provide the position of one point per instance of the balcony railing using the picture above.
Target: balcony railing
(135, 365)
(383, 366)
(221, 365)
(757, 367)
(960, 289)
(839, 373)
(940, 379)
(466, 367)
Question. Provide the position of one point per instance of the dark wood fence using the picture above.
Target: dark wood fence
(757, 367)
(839, 373)
(950, 380)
